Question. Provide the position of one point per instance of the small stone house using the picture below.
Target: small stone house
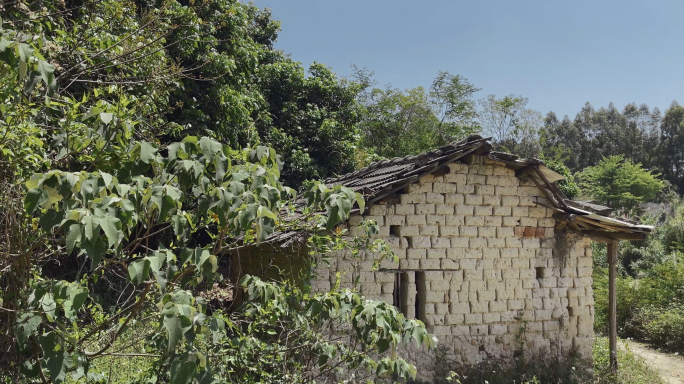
(487, 244)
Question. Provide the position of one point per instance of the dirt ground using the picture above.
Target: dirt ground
(671, 367)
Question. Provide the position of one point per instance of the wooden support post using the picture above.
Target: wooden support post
(612, 302)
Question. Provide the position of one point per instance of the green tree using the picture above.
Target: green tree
(512, 126)
(111, 231)
(671, 148)
(399, 123)
(620, 183)
(312, 120)
(204, 68)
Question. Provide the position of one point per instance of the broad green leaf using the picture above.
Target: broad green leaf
(106, 117)
(139, 271)
(176, 324)
(51, 219)
(182, 371)
(73, 236)
(95, 249)
(147, 152)
(246, 217)
(25, 52)
(112, 229)
(33, 79)
(47, 72)
(56, 359)
(106, 177)
(361, 202)
(91, 226)
(173, 151)
(27, 325)
(78, 296)
(168, 206)
(34, 198)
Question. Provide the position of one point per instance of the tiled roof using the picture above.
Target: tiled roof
(387, 176)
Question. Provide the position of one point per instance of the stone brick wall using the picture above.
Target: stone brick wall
(482, 260)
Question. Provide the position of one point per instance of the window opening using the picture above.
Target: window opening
(400, 293)
(421, 290)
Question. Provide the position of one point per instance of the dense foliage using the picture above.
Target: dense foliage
(398, 123)
(112, 229)
(619, 183)
(649, 287)
(641, 135)
(142, 143)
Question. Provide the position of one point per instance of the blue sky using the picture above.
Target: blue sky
(559, 54)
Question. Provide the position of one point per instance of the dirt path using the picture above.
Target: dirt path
(671, 367)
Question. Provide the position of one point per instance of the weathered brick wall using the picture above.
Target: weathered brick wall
(491, 261)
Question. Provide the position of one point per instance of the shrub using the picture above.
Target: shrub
(663, 327)
(632, 368)
(640, 300)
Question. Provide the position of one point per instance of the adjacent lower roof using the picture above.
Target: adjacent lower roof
(385, 177)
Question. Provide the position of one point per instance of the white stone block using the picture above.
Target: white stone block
(444, 209)
(448, 264)
(538, 212)
(478, 242)
(510, 253)
(378, 209)
(489, 318)
(516, 305)
(521, 211)
(496, 242)
(502, 211)
(474, 179)
(491, 253)
(467, 264)
(472, 274)
(466, 210)
(454, 198)
(454, 319)
(448, 231)
(508, 200)
(460, 242)
(468, 231)
(423, 209)
(455, 178)
(447, 187)
(511, 221)
(441, 242)
(436, 253)
(473, 253)
(416, 220)
(455, 221)
(486, 232)
(502, 263)
(407, 230)
(507, 191)
(492, 200)
(420, 187)
(473, 318)
(420, 242)
(493, 221)
(405, 209)
(428, 230)
(465, 189)
(473, 200)
(416, 253)
(474, 221)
